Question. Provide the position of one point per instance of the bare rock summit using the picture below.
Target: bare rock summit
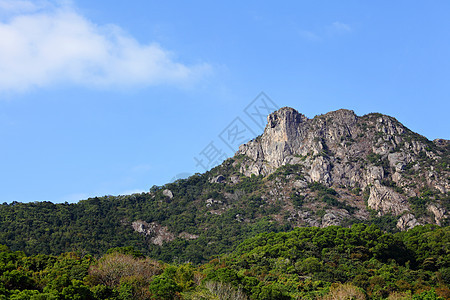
(386, 165)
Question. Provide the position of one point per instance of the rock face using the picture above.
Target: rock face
(385, 200)
(156, 233)
(438, 212)
(334, 217)
(373, 153)
(168, 193)
(407, 221)
(217, 179)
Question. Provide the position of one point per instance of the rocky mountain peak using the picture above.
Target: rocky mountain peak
(285, 118)
(373, 153)
(290, 134)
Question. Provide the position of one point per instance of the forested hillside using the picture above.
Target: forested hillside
(98, 224)
(361, 262)
(334, 169)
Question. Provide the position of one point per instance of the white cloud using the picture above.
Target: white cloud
(309, 35)
(17, 6)
(340, 27)
(43, 44)
(335, 29)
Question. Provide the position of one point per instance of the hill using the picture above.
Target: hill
(334, 169)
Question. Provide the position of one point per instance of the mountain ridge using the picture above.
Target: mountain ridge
(374, 152)
(333, 169)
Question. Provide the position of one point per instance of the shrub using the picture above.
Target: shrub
(344, 292)
(111, 268)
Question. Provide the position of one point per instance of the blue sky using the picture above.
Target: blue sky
(112, 97)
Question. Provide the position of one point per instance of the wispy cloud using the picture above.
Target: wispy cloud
(309, 35)
(335, 28)
(339, 27)
(45, 44)
(17, 6)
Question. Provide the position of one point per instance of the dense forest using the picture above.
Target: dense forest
(361, 262)
(238, 212)
(98, 224)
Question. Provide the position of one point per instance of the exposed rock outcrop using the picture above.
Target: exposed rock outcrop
(438, 212)
(158, 234)
(168, 193)
(407, 221)
(218, 179)
(385, 200)
(334, 217)
(373, 153)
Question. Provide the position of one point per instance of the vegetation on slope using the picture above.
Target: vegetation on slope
(240, 210)
(360, 262)
(98, 224)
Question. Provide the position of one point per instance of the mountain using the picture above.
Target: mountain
(396, 171)
(334, 169)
